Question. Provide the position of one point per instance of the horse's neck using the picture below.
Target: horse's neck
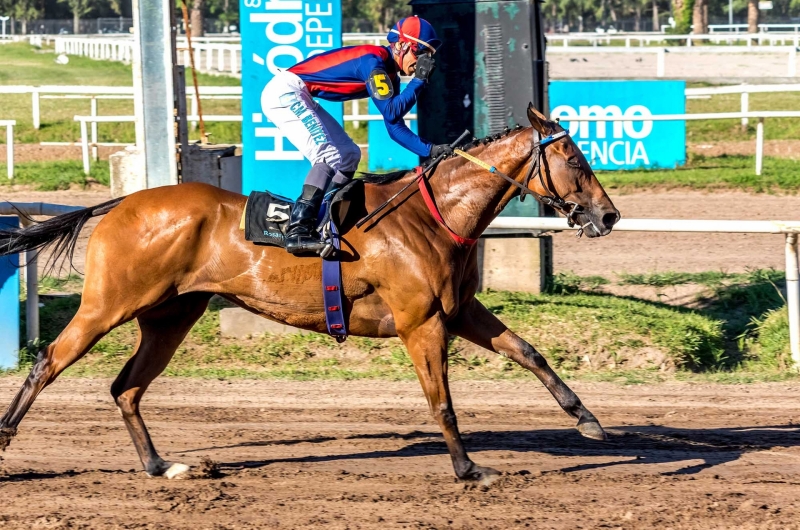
(470, 197)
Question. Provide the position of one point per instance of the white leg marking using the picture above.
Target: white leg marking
(176, 470)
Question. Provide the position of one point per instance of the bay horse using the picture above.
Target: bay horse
(159, 255)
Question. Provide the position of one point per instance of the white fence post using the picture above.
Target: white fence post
(35, 108)
(759, 146)
(745, 98)
(94, 129)
(793, 297)
(660, 60)
(85, 148)
(792, 61)
(10, 150)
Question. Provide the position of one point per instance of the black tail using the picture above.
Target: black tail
(60, 232)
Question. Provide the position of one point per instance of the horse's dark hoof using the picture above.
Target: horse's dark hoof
(483, 475)
(590, 428)
(6, 434)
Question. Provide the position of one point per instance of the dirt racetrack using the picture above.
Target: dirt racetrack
(367, 455)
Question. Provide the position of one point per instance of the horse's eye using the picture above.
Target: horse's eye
(574, 162)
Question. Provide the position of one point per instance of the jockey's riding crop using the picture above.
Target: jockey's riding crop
(421, 174)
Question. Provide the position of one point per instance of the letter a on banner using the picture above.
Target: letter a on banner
(276, 35)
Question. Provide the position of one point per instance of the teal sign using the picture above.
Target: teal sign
(277, 34)
(638, 143)
(9, 303)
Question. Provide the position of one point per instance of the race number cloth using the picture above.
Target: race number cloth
(265, 218)
(315, 133)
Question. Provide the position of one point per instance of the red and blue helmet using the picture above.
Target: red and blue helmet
(416, 31)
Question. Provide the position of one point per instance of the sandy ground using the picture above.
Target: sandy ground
(631, 252)
(366, 455)
(581, 64)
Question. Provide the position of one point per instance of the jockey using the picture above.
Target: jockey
(353, 72)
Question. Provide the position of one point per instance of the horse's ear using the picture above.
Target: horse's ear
(538, 120)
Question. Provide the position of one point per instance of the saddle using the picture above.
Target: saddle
(265, 220)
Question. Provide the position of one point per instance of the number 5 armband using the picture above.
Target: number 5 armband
(380, 85)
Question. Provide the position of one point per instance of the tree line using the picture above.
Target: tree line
(380, 15)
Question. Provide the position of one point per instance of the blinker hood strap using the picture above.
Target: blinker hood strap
(544, 142)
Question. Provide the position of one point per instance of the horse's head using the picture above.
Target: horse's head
(559, 171)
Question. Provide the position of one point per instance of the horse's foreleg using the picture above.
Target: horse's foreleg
(76, 339)
(161, 331)
(427, 346)
(476, 324)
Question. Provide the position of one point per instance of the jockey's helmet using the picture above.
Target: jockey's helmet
(417, 32)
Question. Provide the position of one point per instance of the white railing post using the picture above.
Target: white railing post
(35, 109)
(85, 148)
(745, 99)
(10, 150)
(356, 123)
(209, 57)
(759, 146)
(793, 297)
(32, 287)
(94, 129)
(234, 61)
(792, 61)
(221, 58)
(660, 60)
(194, 110)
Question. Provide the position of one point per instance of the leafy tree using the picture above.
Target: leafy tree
(79, 8)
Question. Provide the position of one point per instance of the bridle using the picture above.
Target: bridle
(569, 209)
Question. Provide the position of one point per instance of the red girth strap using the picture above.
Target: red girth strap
(425, 190)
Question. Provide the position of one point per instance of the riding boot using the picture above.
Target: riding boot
(301, 236)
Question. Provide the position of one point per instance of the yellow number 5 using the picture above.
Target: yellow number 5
(382, 85)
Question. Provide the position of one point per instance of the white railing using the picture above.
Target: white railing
(95, 93)
(743, 90)
(761, 27)
(9, 125)
(759, 115)
(86, 144)
(790, 51)
(790, 228)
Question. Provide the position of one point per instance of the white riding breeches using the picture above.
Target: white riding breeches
(312, 130)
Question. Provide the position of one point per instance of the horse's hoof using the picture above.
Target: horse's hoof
(591, 429)
(6, 434)
(483, 475)
(176, 471)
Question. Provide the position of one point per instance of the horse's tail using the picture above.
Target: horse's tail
(60, 232)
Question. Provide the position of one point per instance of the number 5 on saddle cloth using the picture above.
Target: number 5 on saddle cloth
(265, 219)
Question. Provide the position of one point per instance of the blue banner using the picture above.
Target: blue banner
(9, 303)
(623, 144)
(277, 34)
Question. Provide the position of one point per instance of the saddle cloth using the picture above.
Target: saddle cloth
(266, 215)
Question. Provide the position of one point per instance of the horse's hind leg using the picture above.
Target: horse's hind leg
(83, 331)
(161, 331)
(477, 324)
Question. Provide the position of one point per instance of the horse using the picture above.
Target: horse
(159, 255)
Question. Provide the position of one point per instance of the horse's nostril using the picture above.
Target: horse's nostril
(610, 219)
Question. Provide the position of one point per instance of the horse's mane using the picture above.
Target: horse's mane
(387, 178)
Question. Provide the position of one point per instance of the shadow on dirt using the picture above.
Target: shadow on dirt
(633, 445)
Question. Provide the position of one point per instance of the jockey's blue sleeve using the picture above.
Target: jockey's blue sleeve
(393, 111)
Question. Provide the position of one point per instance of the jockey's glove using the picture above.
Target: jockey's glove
(441, 149)
(425, 67)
